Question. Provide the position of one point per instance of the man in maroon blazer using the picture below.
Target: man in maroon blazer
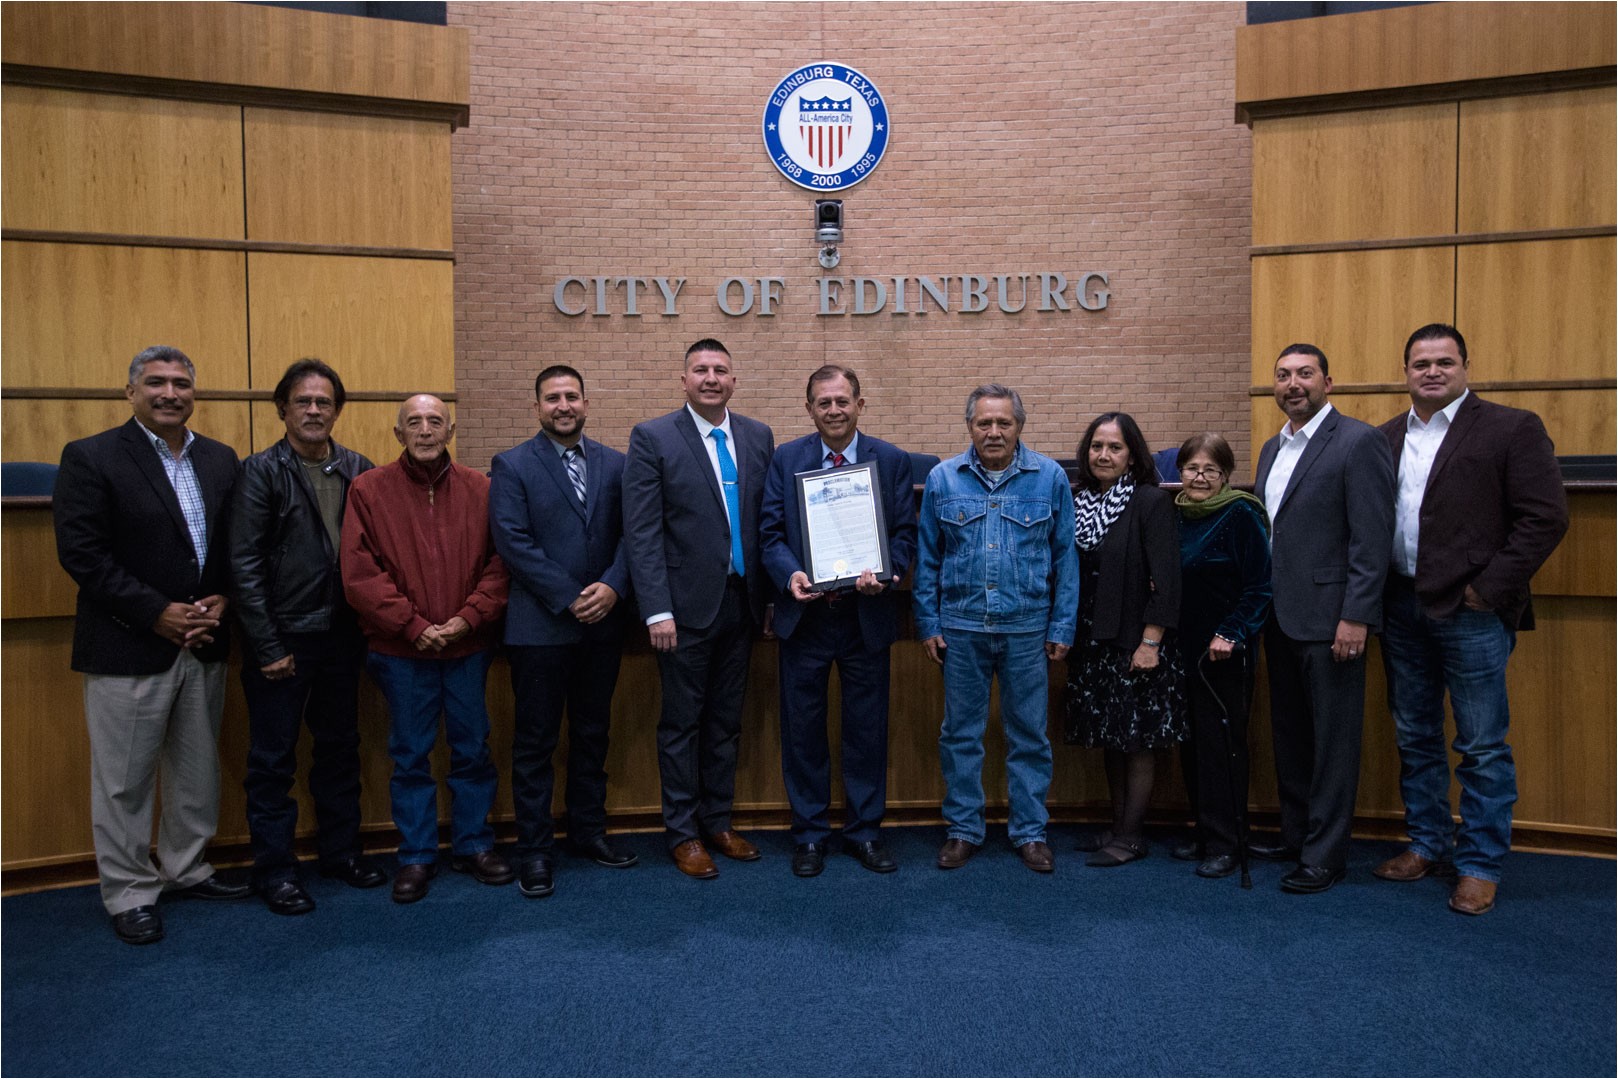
(1480, 507)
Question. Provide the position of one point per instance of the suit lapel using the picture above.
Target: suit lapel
(1466, 418)
(151, 469)
(699, 452)
(1311, 454)
(551, 462)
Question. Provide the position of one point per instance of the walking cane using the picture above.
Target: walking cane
(1230, 757)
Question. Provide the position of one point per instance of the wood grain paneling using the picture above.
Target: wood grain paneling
(76, 314)
(1539, 310)
(33, 583)
(326, 178)
(1402, 49)
(79, 162)
(1379, 173)
(44, 746)
(244, 45)
(1357, 306)
(1583, 564)
(1579, 421)
(383, 323)
(1542, 161)
(37, 429)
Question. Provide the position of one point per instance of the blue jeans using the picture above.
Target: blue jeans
(1465, 653)
(418, 691)
(971, 662)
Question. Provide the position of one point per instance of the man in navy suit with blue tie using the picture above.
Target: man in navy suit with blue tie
(853, 628)
(556, 515)
(693, 482)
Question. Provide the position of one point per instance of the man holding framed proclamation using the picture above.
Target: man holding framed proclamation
(837, 532)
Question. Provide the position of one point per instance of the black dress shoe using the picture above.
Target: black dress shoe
(1217, 865)
(808, 859)
(1308, 879)
(356, 872)
(872, 854)
(1273, 852)
(535, 879)
(485, 867)
(213, 888)
(287, 897)
(138, 925)
(1188, 851)
(601, 852)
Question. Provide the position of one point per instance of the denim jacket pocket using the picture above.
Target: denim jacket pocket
(1027, 545)
(961, 527)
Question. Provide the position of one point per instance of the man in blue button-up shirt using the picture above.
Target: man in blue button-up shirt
(996, 593)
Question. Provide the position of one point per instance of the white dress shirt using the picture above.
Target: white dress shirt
(1293, 443)
(1422, 441)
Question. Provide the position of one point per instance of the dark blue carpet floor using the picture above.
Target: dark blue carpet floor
(987, 970)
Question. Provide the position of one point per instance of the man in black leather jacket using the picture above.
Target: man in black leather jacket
(302, 649)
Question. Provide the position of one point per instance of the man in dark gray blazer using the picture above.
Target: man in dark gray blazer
(1480, 507)
(692, 488)
(556, 516)
(1327, 482)
(140, 527)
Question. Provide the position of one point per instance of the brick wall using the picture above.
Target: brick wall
(624, 139)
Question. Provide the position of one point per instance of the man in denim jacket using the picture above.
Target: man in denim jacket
(997, 593)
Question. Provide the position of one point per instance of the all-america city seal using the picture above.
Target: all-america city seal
(826, 126)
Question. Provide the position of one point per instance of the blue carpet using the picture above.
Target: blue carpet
(987, 970)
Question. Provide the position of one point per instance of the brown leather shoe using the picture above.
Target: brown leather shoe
(692, 859)
(485, 867)
(1036, 855)
(955, 853)
(410, 883)
(732, 845)
(1472, 896)
(1406, 866)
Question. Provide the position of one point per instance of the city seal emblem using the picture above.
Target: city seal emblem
(826, 127)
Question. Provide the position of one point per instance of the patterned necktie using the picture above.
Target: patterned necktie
(837, 459)
(573, 458)
(733, 502)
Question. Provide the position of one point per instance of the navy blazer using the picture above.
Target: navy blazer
(552, 546)
(781, 530)
(121, 535)
(1492, 513)
(675, 525)
(1333, 532)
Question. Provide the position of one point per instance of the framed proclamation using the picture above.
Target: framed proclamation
(844, 532)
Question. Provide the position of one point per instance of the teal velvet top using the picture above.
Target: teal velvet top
(1224, 576)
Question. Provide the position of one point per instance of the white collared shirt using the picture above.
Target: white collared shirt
(1422, 442)
(850, 452)
(1293, 443)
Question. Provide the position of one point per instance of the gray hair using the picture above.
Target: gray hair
(1003, 393)
(159, 354)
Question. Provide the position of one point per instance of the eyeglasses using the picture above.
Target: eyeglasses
(1202, 473)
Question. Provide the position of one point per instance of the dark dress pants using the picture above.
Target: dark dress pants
(546, 680)
(697, 733)
(829, 635)
(1216, 764)
(1317, 711)
(322, 693)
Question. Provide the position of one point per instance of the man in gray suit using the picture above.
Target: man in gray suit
(693, 483)
(1327, 482)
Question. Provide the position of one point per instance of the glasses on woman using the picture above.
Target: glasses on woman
(1193, 472)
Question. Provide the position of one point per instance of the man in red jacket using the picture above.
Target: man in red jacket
(420, 570)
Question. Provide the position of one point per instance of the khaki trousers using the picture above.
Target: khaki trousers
(145, 730)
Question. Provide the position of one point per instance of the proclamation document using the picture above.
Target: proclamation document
(843, 530)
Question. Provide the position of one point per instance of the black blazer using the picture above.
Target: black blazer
(121, 535)
(674, 517)
(1138, 581)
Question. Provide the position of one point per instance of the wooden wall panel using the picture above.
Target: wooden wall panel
(36, 430)
(383, 323)
(1583, 564)
(76, 314)
(1539, 310)
(33, 583)
(325, 178)
(1579, 421)
(44, 747)
(245, 45)
(1357, 306)
(1543, 161)
(81, 162)
(1381, 173)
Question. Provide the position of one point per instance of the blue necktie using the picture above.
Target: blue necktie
(733, 502)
